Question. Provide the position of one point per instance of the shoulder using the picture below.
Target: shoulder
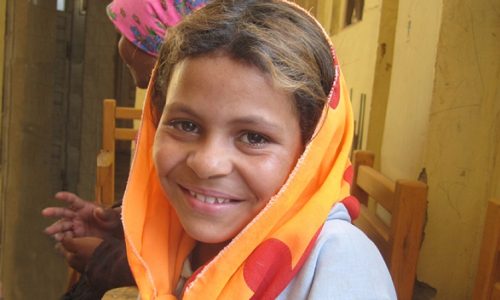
(344, 264)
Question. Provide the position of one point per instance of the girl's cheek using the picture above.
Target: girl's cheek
(166, 154)
(159, 154)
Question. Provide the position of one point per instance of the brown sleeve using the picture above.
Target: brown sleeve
(108, 268)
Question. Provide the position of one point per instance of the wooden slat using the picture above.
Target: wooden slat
(377, 186)
(105, 183)
(406, 234)
(406, 201)
(109, 123)
(361, 158)
(104, 178)
(128, 113)
(125, 134)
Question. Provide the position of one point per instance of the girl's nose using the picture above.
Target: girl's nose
(210, 160)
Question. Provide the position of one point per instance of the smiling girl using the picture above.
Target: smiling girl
(240, 184)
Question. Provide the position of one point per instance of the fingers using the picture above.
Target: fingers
(107, 218)
(60, 229)
(58, 212)
(63, 235)
(105, 215)
(71, 199)
(74, 204)
(101, 214)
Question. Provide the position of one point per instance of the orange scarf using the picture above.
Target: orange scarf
(262, 259)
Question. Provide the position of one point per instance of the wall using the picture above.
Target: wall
(50, 131)
(382, 77)
(99, 82)
(463, 146)
(443, 114)
(410, 94)
(356, 47)
(30, 268)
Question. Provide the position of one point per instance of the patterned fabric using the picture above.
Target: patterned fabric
(266, 255)
(144, 22)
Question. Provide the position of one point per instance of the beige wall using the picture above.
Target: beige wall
(357, 49)
(443, 114)
(382, 76)
(463, 148)
(410, 93)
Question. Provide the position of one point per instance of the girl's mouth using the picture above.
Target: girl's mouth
(209, 199)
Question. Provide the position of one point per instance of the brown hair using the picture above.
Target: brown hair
(277, 37)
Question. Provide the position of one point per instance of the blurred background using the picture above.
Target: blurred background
(424, 77)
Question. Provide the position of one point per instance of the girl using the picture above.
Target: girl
(240, 184)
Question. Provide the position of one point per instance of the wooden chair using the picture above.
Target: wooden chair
(488, 272)
(398, 239)
(105, 175)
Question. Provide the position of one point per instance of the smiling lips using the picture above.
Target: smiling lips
(209, 199)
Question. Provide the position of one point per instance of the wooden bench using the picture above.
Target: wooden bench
(398, 236)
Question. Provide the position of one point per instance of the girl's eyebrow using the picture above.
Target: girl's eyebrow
(179, 107)
(251, 119)
(257, 120)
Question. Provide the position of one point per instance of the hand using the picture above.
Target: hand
(81, 218)
(78, 251)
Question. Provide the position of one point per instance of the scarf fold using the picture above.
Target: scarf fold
(263, 258)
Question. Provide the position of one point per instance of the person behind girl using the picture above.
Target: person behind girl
(239, 187)
(90, 237)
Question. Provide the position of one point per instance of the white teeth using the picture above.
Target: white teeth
(209, 199)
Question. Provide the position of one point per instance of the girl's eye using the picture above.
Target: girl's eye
(186, 126)
(254, 139)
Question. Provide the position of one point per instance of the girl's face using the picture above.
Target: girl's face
(226, 143)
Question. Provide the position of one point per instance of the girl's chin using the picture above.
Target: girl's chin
(208, 237)
(209, 234)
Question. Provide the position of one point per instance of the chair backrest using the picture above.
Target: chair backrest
(488, 272)
(105, 181)
(399, 235)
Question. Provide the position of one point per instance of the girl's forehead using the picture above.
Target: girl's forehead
(221, 56)
(223, 81)
(221, 67)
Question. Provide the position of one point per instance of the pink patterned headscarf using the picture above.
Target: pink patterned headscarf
(144, 22)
